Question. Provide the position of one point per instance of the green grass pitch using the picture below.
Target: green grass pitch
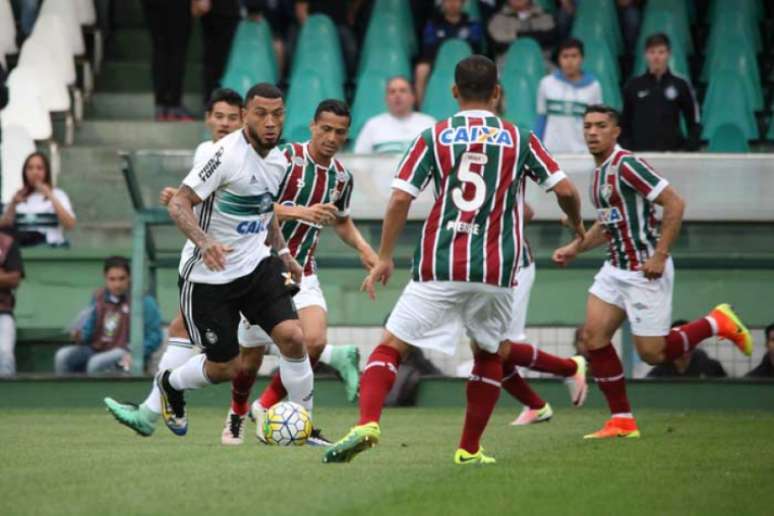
(80, 461)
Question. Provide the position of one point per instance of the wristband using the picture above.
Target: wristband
(283, 251)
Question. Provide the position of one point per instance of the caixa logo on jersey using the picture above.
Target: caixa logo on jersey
(476, 134)
(251, 227)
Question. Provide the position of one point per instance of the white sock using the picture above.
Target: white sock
(273, 350)
(298, 379)
(190, 375)
(177, 353)
(713, 323)
(326, 355)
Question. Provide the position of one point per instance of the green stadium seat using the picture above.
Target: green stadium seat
(726, 102)
(305, 93)
(599, 24)
(728, 138)
(742, 64)
(386, 30)
(520, 101)
(251, 59)
(369, 100)
(402, 10)
(600, 61)
(439, 102)
(719, 9)
(452, 51)
(473, 10)
(524, 56)
(670, 23)
(318, 46)
(611, 92)
(733, 25)
(548, 6)
(390, 61)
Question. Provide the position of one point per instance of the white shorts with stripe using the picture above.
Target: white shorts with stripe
(524, 281)
(433, 314)
(310, 294)
(647, 303)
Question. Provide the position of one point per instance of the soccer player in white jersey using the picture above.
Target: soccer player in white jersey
(314, 178)
(467, 257)
(225, 207)
(636, 281)
(224, 116)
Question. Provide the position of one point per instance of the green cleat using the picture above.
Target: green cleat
(129, 414)
(346, 360)
(359, 439)
(465, 457)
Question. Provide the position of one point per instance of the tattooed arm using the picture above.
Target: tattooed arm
(181, 211)
(277, 243)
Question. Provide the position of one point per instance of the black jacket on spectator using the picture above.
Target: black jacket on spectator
(701, 366)
(764, 370)
(438, 30)
(651, 114)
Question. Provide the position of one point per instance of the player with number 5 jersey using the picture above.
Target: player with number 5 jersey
(467, 257)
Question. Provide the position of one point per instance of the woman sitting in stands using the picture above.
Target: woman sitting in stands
(39, 212)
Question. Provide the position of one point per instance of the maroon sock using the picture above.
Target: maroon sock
(240, 391)
(608, 372)
(529, 356)
(483, 390)
(376, 382)
(275, 391)
(683, 339)
(517, 387)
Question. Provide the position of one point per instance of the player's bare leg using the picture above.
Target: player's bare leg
(143, 418)
(602, 321)
(377, 381)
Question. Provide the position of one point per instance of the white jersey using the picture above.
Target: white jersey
(203, 151)
(386, 133)
(37, 213)
(238, 189)
(563, 103)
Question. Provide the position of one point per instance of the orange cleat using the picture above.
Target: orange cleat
(732, 328)
(617, 427)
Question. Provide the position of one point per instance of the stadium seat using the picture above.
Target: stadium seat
(369, 100)
(719, 9)
(731, 59)
(599, 25)
(25, 108)
(524, 56)
(251, 59)
(310, 88)
(439, 102)
(7, 29)
(38, 64)
(451, 52)
(728, 138)
(520, 101)
(600, 61)
(50, 32)
(87, 14)
(390, 61)
(548, 6)
(473, 10)
(732, 25)
(668, 22)
(14, 149)
(319, 47)
(726, 102)
(401, 9)
(67, 13)
(385, 31)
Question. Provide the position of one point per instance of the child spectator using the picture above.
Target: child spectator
(39, 212)
(11, 274)
(103, 338)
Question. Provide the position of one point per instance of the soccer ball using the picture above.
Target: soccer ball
(286, 424)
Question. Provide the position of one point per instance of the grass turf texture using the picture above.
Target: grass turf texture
(80, 461)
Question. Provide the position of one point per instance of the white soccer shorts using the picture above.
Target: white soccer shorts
(524, 280)
(311, 294)
(432, 314)
(647, 303)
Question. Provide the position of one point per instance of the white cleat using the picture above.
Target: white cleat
(257, 414)
(577, 383)
(233, 430)
(529, 416)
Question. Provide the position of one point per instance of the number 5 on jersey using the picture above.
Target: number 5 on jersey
(467, 176)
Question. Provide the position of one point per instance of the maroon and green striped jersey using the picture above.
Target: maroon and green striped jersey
(478, 165)
(307, 183)
(623, 189)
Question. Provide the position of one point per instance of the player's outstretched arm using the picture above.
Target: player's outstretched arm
(277, 242)
(181, 211)
(394, 221)
(320, 214)
(569, 201)
(594, 237)
(671, 221)
(349, 234)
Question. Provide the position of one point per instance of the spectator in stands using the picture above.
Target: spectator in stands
(766, 368)
(562, 99)
(695, 364)
(343, 14)
(169, 22)
(521, 19)
(395, 130)
(39, 212)
(103, 336)
(653, 103)
(449, 22)
(219, 22)
(628, 18)
(11, 274)
(27, 13)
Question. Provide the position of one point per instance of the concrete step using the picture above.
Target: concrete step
(135, 76)
(139, 134)
(134, 44)
(133, 106)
